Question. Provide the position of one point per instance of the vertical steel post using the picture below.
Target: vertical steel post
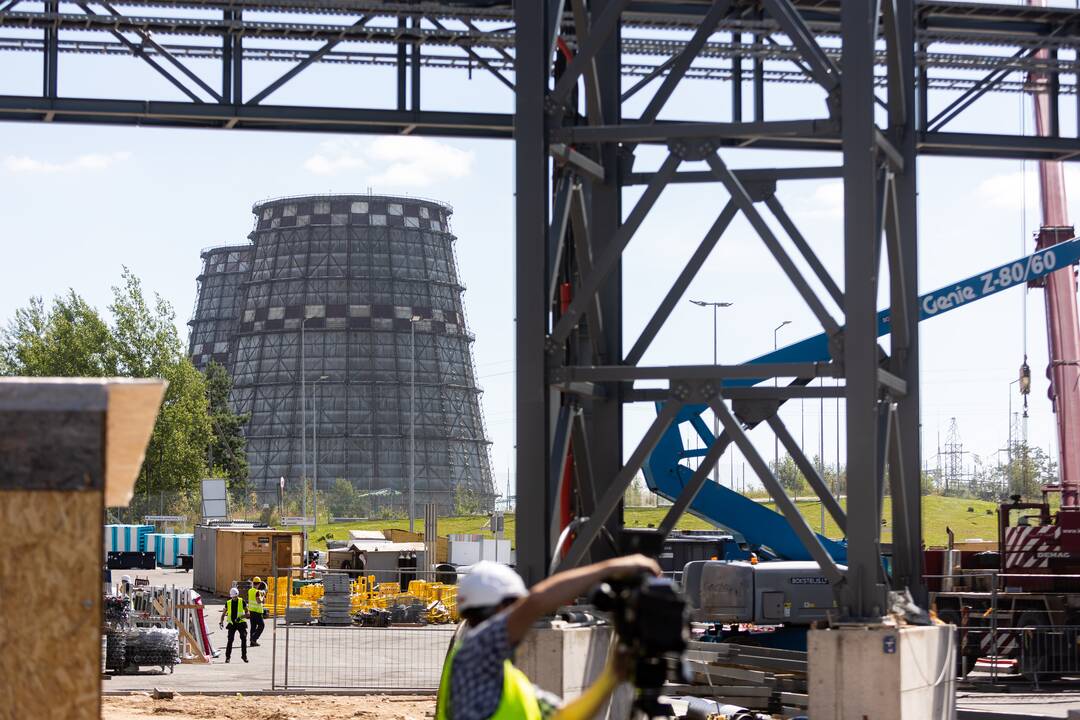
(226, 59)
(736, 80)
(715, 420)
(51, 56)
(864, 594)
(402, 60)
(414, 70)
(907, 549)
(604, 416)
(412, 425)
(303, 432)
(236, 41)
(530, 267)
(315, 451)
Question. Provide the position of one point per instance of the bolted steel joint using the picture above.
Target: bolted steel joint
(692, 150)
(680, 391)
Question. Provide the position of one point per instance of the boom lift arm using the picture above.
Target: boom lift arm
(766, 530)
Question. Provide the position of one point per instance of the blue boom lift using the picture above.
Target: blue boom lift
(763, 530)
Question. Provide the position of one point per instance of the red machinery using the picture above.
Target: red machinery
(1038, 551)
(1062, 319)
(1053, 545)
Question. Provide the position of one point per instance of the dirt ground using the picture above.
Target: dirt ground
(269, 707)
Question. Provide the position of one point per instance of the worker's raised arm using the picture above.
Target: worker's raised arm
(549, 594)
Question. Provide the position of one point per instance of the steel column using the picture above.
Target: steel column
(604, 416)
(531, 321)
(863, 595)
(51, 56)
(907, 560)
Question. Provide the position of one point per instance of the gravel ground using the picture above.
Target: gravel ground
(269, 707)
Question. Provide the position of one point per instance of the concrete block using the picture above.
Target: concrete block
(882, 672)
(566, 658)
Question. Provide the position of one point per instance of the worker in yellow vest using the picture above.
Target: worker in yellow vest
(235, 612)
(479, 681)
(256, 595)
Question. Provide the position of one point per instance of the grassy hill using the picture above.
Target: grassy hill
(938, 512)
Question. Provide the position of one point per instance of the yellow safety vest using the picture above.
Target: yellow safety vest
(253, 601)
(234, 611)
(518, 700)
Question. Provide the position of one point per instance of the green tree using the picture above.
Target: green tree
(227, 448)
(1024, 474)
(792, 480)
(71, 339)
(342, 500)
(148, 345)
(68, 339)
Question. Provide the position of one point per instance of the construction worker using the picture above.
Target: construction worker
(479, 681)
(236, 612)
(256, 595)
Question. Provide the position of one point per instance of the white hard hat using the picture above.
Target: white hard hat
(233, 592)
(125, 578)
(488, 584)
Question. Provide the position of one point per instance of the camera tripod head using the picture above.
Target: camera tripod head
(650, 620)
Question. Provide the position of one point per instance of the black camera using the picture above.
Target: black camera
(650, 619)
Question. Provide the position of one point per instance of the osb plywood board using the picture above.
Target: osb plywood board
(133, 409)
(50, 606)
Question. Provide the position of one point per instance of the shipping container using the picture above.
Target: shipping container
(224, 556)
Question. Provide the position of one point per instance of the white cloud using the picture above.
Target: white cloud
(93, 161)
(828, 200)
(1009, 189)
(393, 162)
(822, 200)
(336, 156)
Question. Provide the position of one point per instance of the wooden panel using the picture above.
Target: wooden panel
(133, 409)
(50, 609)
(228, 561)
(28, 444)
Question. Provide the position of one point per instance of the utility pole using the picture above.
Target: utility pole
(412, 422)
(715, 422)
(776, 440)
(821, 446)
(315, 446)
(303, 434)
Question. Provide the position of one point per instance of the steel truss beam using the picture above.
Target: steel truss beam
(789, 41)
(881, 394)
(571, 231)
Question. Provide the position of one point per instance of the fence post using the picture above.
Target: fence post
(993, 623)
(273, 631)
(288, 604)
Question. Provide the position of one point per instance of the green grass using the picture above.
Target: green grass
(938, 512)
(447, 526)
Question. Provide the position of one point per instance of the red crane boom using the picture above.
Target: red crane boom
(1062, 318)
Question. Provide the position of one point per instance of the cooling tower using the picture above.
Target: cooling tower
(347, 290)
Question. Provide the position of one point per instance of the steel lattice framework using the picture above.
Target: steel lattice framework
(894, 77)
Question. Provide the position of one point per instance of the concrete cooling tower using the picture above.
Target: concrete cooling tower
(345, 290)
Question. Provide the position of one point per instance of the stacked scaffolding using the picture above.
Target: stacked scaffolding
(367, 283)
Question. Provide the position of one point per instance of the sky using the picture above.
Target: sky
(80, 202)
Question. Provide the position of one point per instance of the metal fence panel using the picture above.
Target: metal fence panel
(360, 658)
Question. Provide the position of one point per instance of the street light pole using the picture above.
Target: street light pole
(315, 447)
(1014, 382)
(776, 440)
(303, 433)
(412, 422)
(716, 421)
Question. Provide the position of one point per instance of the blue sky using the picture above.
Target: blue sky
(78, 202)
